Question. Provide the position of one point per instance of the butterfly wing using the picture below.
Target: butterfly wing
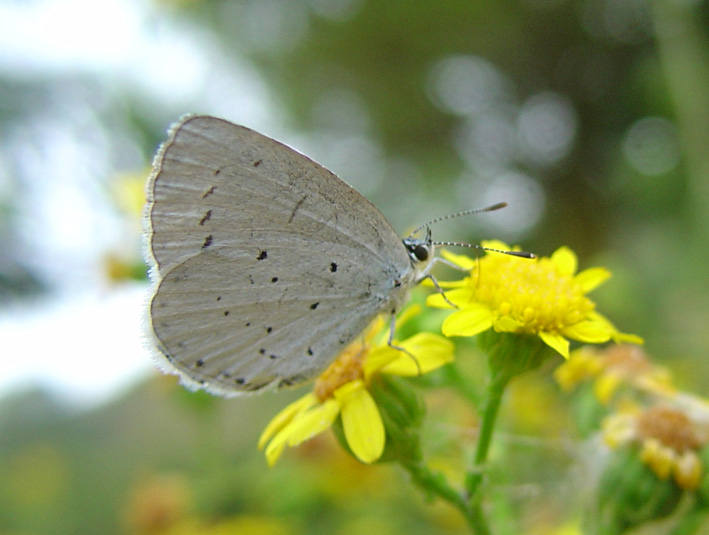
(266, 264)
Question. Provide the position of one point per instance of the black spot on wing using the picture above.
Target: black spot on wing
(262, 255)
(251, 387)
(206, 217)
(333, 267)
(314, 305)
(290, 381)
(207, 242)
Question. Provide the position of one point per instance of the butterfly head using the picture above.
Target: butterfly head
(421, 253)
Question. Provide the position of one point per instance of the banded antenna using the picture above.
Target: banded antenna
(490, 208)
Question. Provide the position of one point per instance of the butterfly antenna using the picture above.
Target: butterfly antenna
(521, 254)
(490, 208)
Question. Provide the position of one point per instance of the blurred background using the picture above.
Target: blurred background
(589, 118)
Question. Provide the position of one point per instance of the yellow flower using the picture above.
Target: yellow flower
(612, 368)
(343, 390)
(668, 441)
(544, 297)
(129, 193)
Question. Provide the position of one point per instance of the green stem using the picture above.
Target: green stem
(488, 413)
(436, 484)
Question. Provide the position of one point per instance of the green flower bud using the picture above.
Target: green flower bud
(630, 494)
(512, 354)
(402, 410)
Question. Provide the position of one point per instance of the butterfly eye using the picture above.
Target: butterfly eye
(421, 253)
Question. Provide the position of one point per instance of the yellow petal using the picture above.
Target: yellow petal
(688, 470)
(436, 301)
(605, 386)
(408, 313)
(623, 338)
(431, 352)
(428, 283)
(506, 324)
(565, 261)
(618, 429)
(660, 458)
(284, 417)
(583, 364)
(459, 297)
(379, 357)
(591, 332)
(557, 342)
(592, 278)
(568, 375)
(374, 328)
(312, 422)
(275, 449)
(361, 421)
(300, 427)
(617, 337)
(470, 321)
(597, 317)
(465, 262)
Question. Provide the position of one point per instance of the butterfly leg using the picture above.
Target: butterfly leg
(439, 260)
(390, 343)
(439, 289)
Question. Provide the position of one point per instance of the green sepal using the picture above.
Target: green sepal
(513, 354)
(402, 410)
(631, 494)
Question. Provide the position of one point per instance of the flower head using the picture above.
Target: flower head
(612, 368)
(544, 297)
(343, 390)
(668, 440)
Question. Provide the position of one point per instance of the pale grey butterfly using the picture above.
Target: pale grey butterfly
(265, 264)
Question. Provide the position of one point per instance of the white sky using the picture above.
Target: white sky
(84, 340)
(87, 348)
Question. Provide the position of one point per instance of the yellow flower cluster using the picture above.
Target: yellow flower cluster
(543, 297)
(343, 390)
(612, 368)
(669, 441)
